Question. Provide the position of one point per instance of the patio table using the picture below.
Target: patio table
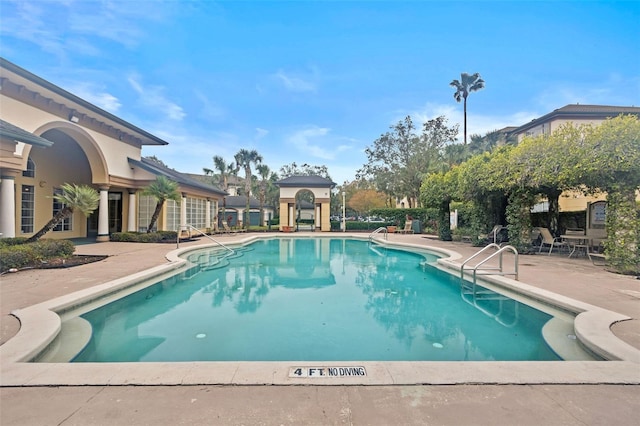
(577, 242)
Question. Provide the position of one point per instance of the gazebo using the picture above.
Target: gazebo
(320, 188)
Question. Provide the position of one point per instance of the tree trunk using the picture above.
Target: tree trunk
(155, 216)
(465, 120)
(57, 218)
(553, 219)
(444, 228)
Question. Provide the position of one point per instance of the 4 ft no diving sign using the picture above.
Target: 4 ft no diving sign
(327, 372)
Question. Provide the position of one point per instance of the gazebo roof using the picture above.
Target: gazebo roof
(306, 181)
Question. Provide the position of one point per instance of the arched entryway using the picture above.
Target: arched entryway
(293, 189)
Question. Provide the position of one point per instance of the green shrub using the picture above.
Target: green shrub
(19, 255)
(12, 241)
(143, 237)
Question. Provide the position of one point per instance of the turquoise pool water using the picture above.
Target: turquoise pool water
(313, 299)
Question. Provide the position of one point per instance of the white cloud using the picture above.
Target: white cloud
(98, 97)
(307, 141)
(261, 133)
(209, 109)
(295, 83)
(153, 97)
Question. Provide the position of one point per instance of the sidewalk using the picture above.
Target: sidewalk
(376, 405)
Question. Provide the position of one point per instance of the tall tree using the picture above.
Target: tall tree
(364, 200)
(224, 171)
(399, 159)
(162, 189)
(468, 83)
(244, 159)
(73, 197)
(267, 178)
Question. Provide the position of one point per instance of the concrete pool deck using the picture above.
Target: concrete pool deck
(527, 401)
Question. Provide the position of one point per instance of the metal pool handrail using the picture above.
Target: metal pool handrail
(201, 233)
(499, 252)
(377, 231)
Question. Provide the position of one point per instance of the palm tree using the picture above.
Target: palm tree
(72, 197)
(224, 171)
(467, 84)
(265, 172)
(161, 189)
(244, 158)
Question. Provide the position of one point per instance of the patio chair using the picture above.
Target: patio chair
(228, 230)
(498, 235)
(550, 241)
(408, 228)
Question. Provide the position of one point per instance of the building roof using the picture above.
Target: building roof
(17, 81)
(181, 178)
(240, 201)
(578, 111)
(9, 131)
(306, 181)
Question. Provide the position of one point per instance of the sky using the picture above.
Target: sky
(317, 82)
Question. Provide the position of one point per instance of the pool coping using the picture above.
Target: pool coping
(40, 324)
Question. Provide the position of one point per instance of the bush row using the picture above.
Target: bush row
(14, 253)
(143, 237)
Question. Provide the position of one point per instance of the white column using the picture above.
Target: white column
(317, 221)
(131, 219)
(103, 215)
(292, 218)
(207, 214)
(7, 207)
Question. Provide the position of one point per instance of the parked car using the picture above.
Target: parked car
(375, 219)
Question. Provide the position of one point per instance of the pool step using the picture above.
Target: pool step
(209, 261)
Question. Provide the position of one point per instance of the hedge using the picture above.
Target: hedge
(143, 237)
(14, 253)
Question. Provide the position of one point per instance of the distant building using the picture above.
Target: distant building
(572, 113)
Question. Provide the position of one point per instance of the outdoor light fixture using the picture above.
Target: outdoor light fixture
(73, 117)
(344, 209)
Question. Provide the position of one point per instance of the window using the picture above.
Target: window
(65, 224)
(27, 209)
(173, 215)
(31, 169)
(196, 212)
(146, 206)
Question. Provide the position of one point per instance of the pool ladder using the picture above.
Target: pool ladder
(471, 289)
(382, 229)
(480, 269)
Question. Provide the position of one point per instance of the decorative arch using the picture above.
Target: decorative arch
(95, 156)
(320, 188)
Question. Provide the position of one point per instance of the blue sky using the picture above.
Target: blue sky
(318, 81)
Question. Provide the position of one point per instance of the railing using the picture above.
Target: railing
(492, 245)
(382, 229)
(486, 294)
(499, 270)
(190, 227)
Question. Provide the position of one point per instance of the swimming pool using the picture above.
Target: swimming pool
(314, 299)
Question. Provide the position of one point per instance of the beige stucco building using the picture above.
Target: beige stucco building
(50, 137)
